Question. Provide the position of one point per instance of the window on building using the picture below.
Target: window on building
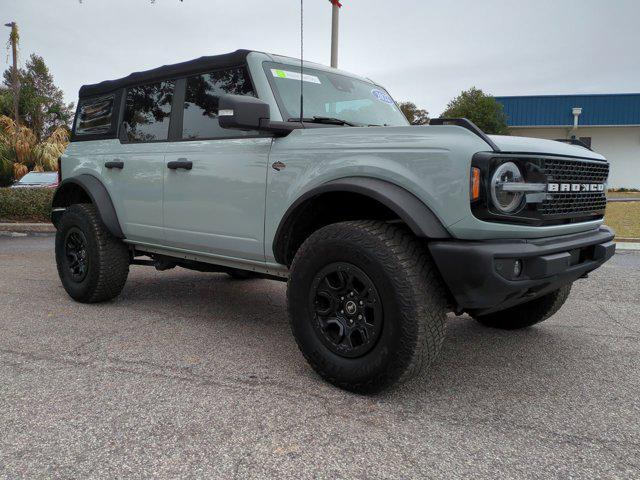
(94, 116)
(147, 111)
(200, 118)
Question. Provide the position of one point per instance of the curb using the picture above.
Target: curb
(623, 199)
(628, 246)
(22, 227)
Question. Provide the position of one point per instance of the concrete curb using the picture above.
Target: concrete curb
(628, 246)
(22, 227)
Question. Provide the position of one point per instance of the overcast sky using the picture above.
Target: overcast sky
(426, 51)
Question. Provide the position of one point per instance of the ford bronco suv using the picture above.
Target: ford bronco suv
(257, 165)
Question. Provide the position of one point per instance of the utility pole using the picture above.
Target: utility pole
(15, 80)
(335, 17)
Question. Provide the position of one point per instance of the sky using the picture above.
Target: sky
(425, 51)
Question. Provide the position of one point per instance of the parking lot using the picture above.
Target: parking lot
(195, 374)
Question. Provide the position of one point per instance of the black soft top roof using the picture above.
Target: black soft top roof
(167, 71)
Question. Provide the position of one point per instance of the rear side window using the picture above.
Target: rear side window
(94, 116)
(147, 111)
(200, 118)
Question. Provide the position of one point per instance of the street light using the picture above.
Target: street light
(15, 79)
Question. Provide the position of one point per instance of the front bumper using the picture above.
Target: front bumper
(480, 275)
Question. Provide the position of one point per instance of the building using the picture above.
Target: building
(608, 124)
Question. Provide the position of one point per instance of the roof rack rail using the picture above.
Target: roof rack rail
(469, 125)
(574, 141)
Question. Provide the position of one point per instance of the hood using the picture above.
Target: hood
(511, 144)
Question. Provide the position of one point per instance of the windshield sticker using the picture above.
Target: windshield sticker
(294, 75)
(382, 96)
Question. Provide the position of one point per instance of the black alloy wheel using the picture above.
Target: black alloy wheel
(348, 315)
(75, 254)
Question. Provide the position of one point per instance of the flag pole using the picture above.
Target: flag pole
(335, 17)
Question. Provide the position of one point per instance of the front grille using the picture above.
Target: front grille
(575, 171)
(574, 204)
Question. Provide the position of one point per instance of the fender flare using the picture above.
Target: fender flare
(98, 194)
(418, 216)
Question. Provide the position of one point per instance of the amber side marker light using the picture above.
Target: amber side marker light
(474, 184)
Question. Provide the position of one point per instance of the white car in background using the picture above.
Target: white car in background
(37, 180)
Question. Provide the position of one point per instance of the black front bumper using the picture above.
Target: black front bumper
(480, 274)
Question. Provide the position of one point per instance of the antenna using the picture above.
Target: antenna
(301, 59)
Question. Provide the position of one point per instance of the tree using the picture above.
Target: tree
(415, 115)
(481, 109)
(41, 102)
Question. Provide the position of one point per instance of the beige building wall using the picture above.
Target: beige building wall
(620, 145)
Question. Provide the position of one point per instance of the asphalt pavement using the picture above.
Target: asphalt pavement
(191, 374)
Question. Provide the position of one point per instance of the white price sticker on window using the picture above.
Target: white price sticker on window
(294, 75)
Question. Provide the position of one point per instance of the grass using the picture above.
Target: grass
(624, 218)
(623, 194)
(25, 204)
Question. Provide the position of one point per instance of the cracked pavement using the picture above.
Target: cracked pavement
(192, 374)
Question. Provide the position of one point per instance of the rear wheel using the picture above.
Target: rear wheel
(366, 304)
(527, 314)
(92, 264)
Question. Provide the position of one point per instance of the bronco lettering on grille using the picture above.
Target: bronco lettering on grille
(575, 187)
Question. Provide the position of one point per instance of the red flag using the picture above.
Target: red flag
(336, 2)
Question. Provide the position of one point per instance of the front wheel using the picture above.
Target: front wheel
(92, 264)
(366, 304)
(527, 314)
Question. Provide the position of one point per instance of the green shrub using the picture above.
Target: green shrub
(25, 204)
(6, 170)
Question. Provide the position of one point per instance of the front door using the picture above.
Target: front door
(215, 179)
(218, 205)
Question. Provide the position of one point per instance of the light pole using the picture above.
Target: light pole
(15, 79)
(335, 17)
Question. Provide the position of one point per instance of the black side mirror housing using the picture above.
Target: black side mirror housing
(242, 112)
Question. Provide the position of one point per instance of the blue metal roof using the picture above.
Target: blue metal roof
(555, 110)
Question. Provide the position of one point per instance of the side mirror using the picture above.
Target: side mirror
(242, 112)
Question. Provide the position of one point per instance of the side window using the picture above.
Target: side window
(147, 111)
(200, 118)
(94, 116)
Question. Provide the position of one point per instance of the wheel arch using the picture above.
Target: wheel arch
(389, 197)
(86, 188)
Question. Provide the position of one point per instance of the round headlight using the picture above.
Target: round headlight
(504, 198)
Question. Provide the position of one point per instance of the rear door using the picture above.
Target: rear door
(135, 167)
(216, 204)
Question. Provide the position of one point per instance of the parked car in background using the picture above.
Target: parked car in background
(37, 180)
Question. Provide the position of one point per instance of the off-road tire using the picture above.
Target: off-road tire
(527, 314)
(411, 292)
(107, 258)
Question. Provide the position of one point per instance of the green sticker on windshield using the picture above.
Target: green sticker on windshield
(294, 75)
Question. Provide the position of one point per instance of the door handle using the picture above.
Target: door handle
(119, 164)
(180, 163)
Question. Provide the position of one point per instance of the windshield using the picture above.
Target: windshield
(328, 94)
(36, 177)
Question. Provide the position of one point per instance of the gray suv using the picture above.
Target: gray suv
(257, 166)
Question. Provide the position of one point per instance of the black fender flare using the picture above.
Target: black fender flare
(66, 195)
(418, 216)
